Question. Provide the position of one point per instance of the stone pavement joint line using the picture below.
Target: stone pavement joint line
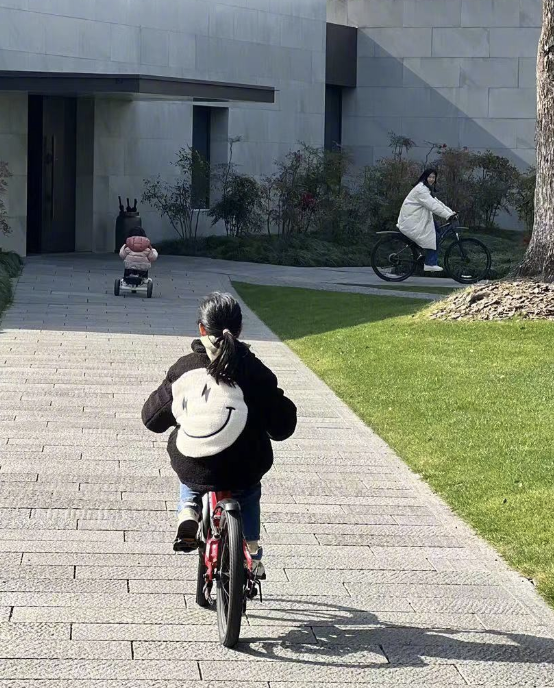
(372, 580)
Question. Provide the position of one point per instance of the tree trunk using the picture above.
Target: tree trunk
(538, 261)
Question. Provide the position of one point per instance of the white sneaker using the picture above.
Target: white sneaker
(432, 268)
(256, 552)
(187, 530)
(258, 569)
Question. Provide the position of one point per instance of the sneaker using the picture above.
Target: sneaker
(187, 530)
(432, 268)
(256, 552)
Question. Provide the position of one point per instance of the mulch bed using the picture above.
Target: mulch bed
(498, 301)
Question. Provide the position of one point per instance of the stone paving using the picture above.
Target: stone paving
(371, 578)
(356, 280)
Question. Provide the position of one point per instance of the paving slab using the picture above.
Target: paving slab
(372, 579)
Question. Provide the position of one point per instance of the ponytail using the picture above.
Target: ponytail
(225, 366)
(221, 316)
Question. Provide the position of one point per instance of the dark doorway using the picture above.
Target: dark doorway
(51, 174)
(201, 143)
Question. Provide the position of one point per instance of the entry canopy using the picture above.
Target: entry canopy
(132, 86)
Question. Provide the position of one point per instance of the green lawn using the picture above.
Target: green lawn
(469, 406)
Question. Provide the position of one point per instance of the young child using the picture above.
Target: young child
(226, 408)
(137, 252)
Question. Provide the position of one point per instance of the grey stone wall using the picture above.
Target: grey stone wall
(460, 72)
(280, 43)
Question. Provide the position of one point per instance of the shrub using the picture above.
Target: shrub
(240, 203)
(238, 206)
(456, 182)
(308, 183)
(382, 188)
(5, 174)
(524, 199)
(476, 185)
(6, 289)
(10, 267)
(11, 263)
(176, 200)
(302, 250)
(496, 180)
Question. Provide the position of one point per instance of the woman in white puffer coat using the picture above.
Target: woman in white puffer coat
(416, 218)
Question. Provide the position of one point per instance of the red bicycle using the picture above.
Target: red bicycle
(224, 558)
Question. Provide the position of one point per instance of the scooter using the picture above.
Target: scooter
(134, 282)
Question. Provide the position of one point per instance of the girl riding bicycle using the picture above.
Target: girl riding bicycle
(416, 218)
(225, 407)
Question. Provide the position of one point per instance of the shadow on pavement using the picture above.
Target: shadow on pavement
(342, 636)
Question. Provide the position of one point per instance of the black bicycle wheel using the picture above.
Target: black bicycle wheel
(201, 600)
(230, 586)
(468, 261)
(394, 258)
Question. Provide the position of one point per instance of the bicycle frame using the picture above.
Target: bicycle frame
(449, 228)
(214, 504)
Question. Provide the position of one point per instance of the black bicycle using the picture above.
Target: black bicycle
(395, 257)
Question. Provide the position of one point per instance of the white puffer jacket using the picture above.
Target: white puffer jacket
(416, 216)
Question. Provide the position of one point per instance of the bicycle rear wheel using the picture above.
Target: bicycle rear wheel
(394, 258)
(468, 261)
(230, 586)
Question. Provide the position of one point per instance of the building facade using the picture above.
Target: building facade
(460, 72)
(96, 95)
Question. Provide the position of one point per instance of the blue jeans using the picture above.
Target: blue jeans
(432, 254)
(248, 499)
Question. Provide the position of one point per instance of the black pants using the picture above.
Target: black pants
(143, 274)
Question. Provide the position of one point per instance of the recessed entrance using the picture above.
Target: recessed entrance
(51, 174)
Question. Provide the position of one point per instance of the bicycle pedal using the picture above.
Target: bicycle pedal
(182, 546)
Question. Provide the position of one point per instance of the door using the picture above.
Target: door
(52, 173)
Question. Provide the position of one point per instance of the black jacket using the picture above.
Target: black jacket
(270, 416)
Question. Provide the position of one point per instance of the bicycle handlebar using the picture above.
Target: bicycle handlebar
(451, 219)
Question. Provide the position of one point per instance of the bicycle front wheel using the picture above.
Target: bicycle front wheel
(468, 261)
(230, 586)
(394, 258)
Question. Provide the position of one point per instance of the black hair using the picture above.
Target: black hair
(136, 231)
(221, 315)
(425, 176)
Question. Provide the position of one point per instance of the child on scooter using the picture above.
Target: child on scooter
(137, 253)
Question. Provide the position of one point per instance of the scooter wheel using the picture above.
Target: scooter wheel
(149, 290)
(116, 286)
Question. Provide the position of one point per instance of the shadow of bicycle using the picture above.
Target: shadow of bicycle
(342, 636)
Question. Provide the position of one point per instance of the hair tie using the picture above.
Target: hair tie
(225, 331)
